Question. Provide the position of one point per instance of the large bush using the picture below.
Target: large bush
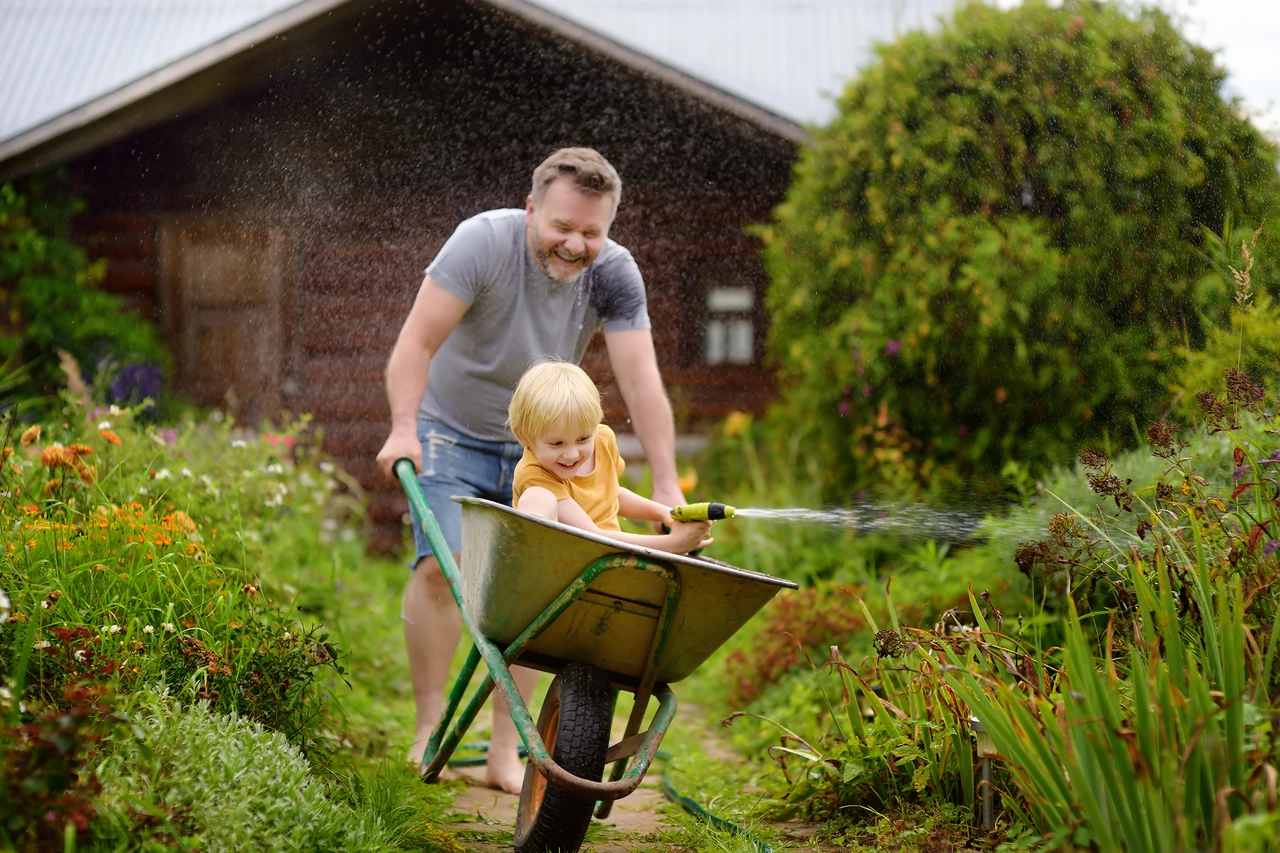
(996, 247)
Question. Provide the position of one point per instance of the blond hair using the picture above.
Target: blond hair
(585, 168)
(552, 393)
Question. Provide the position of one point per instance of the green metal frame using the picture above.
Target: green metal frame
(443, 741)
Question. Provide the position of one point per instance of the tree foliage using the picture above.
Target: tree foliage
(996, 247)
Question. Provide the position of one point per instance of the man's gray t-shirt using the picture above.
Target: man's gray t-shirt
(517, 316)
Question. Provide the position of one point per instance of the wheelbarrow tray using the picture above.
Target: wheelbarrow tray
(514, 565)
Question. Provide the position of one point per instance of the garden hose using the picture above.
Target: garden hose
(478, 760)
(692, 807)
(706, 511)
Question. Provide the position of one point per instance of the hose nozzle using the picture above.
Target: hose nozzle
(707, 511)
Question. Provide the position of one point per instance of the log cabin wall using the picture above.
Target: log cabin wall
(279, 234)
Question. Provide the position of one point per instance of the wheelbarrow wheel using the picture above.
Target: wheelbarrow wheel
(574, 725)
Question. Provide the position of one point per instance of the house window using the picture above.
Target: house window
(721, 318)
(729, 326)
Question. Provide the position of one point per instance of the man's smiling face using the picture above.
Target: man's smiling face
(567, 229)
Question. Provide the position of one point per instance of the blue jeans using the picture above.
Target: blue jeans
(457, 464)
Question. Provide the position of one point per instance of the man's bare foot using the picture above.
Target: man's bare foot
(506, 773)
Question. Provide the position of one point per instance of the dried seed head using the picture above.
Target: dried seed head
(1096, 459)
(1160, 433)
(889, 644)
(1240, 390)
(1214, 408)
(1061, 526)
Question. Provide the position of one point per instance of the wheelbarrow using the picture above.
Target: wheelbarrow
(602, 616)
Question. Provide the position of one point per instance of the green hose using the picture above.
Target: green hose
(692, 807)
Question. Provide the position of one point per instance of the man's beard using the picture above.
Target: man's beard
(544, 260)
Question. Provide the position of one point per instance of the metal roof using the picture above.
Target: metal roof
(789, 56)
(56, 55)
(65, 64)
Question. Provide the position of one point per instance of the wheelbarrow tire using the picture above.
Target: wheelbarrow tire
(574, 724)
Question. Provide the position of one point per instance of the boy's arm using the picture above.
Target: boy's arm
(636, 508)
(682, 539)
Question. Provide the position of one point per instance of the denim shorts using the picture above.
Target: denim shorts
(457, 464)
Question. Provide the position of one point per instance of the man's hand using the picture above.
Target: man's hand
(401, 444)
(669, 497)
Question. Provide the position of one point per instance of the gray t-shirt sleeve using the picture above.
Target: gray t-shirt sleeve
(464, 265)
(618, 296)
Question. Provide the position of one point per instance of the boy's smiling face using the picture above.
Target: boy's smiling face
(567, 450)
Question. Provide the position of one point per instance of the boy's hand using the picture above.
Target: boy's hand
(686, 536)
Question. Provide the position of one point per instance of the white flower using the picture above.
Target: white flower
(287, 635)
(347, 535)
(329, 524)
(147, 629)
(327, 467)
(158, 438)
(40, 645)
(169, 626)
(111, 629)
(143, 490)
(81, 655)
(216, 416)
(239, 442)
(6, 694)
(186, 472)
(275, 468)
(104, 425)
(114, 410)
(274, 500)
(163, 474)
(5, 605)
(305, 479)
(44, 605)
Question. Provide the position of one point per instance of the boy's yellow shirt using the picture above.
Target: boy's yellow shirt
(597, 492)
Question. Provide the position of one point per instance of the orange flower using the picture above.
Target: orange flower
(87, 473)
(80, 449)
(55, 456)
(31, 436)
(53, 485)
(111, 437)
(8, 451)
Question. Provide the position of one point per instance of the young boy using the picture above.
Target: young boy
(570, 468)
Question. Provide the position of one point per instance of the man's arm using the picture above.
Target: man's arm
(635, 364)
(434, 316)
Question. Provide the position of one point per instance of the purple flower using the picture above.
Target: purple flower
(136, 382)
(893, 348)
(845, 409)
(170, 435)
(866, 390)
(1271, 547)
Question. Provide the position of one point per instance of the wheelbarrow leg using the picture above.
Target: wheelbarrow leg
(648, 677)
(450, 708)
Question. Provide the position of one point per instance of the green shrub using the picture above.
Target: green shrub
(993, 250)
(50, 300)
(226, 783)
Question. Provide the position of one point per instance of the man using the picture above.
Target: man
(509, 288)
